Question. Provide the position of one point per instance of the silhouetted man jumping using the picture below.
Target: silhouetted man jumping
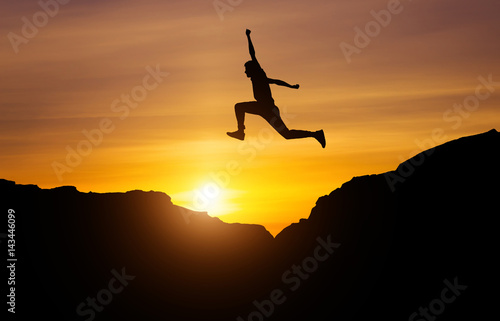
(264, 105)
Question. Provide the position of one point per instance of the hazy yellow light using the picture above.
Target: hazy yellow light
(208, 197)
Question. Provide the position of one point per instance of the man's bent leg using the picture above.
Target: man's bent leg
(251, 107)
(240, 115)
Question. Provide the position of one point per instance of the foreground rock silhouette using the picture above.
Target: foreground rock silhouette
(422, 249)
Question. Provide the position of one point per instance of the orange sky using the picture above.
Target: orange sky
(64, 76)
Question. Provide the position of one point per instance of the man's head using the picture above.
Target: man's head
(251, 67)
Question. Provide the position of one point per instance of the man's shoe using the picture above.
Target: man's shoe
(320, 137)
(237, 134)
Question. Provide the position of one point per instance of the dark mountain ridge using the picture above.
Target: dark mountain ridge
(381, 246)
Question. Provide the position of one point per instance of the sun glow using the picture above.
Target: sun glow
(210, 198)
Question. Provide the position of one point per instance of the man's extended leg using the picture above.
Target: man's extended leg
(274, 119)
(251, 107)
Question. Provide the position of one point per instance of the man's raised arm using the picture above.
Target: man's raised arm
(250, 46)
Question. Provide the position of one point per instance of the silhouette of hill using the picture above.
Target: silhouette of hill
(416, 243)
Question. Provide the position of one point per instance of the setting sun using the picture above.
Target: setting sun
(209, 197)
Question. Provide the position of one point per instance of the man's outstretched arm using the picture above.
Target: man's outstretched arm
(282, 83)
(250, 46)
